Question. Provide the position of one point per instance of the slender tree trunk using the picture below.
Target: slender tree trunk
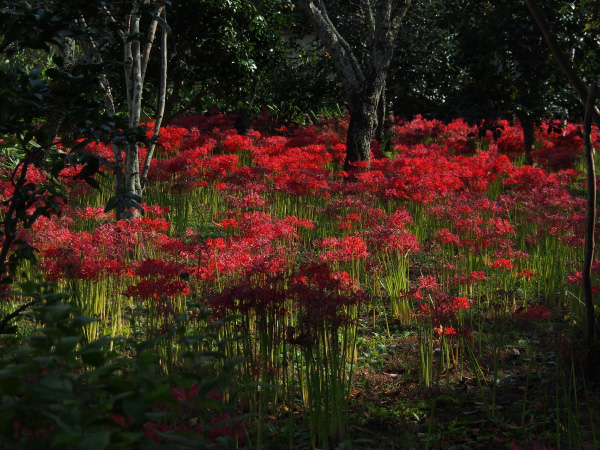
(592, 113)
(590, 220)
(162, 95)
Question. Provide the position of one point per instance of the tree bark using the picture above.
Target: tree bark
(560, 58)
(590, 219)
(528, 127)
(162, 95)
(363, 89)
(591, 114)
(381, 131)
(363, 122)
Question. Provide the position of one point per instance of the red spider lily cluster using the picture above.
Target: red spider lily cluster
(268, 227)
(436, 190)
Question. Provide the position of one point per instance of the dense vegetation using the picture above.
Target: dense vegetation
(193, 256)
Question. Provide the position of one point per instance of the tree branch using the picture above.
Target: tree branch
(366, 6)
(150, 41)
(560, 57)
(349, 51)
(343, 60)
(6, 319)
(161, 104)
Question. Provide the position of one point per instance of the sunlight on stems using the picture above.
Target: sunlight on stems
(327, 374)
(395, 273)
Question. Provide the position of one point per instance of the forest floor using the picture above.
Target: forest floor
(527, 395)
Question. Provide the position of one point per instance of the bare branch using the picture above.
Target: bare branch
(560, 57)
(161, 104)
(121, 33)
(150, 41)
(342, 58)
(368, 10)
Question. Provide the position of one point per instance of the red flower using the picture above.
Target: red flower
(502, 264)
(461, 303)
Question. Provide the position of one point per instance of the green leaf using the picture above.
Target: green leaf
(112, 203)
(134, 409)
(67, 344)
(9, 385)
(96, 441)
(94, 358)
(92, 182)
(64, 439)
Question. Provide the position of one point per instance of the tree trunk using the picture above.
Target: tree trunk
(244, 121)
(380, 133)
(591, 114)
(361, 129)
(528, 126)
(363, 90)
(590, 221)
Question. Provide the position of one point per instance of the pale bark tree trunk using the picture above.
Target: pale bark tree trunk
(160, 111)
(131, 180)
(590, 220)
(363, 89)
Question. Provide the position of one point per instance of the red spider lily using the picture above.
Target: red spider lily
(446, 237)
(325, 296)
(158, 267)
(382, 238)
(501, 226)
(446, 331)
(428, 282)
(228, 223)
(299, 223)
(526, 273)
(460, 303)
(343, 249)
(236, 143)
(265, 297)
(502, 264)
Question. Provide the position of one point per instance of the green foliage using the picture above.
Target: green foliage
(58, 390)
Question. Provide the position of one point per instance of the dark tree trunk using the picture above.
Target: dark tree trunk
(244, 121)
(528, 126)
(591, 114)
(363, 89)
(361, 129)
(381, 132)
(171, 100)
